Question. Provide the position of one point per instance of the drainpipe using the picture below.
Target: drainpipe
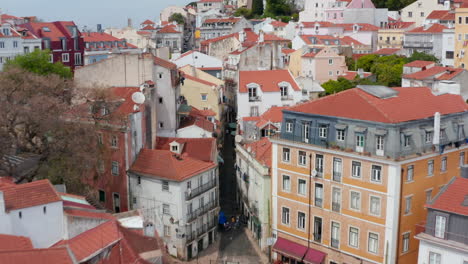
(310, 200)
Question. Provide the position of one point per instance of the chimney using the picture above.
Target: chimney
(2, 203)
(99, 28)
(129, 22)
(261, 37)
(464, 171)
(360, 72)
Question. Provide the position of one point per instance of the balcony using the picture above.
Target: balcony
(412, 44)
(192, 235)
(286, 97)
(335, 243)
(200, 189)
(255, 99)
(201, 210)
(337, 176)
(336, 207)
(318, 202)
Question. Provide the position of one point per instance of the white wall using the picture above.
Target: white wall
(167, 110)
(448, 255)
(199, 60)
(448, 44)
(193, 132)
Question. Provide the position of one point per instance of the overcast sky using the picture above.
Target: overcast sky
(109, 13)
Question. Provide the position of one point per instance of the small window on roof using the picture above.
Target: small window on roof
(46, 29)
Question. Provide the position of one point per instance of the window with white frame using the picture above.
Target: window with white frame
(319, 164)
(301, 220)
(301, 189)
(443, 164)
(408, 201)
(252, 92)
(114, 141)
(374, 206)
(407, 141)
(335, 234)
(336, 199)
(410, 173)
(289, 126)
(430, 167)
(360, 142)
(340, 135)
(428, 195)
(356, 169)
(406, 240)
(318, 194)
(353, 237)
(373, 243)
(204, 97)
(284, 91)
(330, 61)
(65, 57)
(166, 209)
(323, 131)
(461, 160)
(306, 131)
(355, 202)
(78, 59)
(337, 169)
(440, 224)
(115, 168)
(302, 159)
(165, 185)
(379, 143)
(435, 258)
(376, 175)
(428, 137)
(285, 216)
(2, 44)
(167, 230)
(254, 111)
(286, 183)
(286, 154)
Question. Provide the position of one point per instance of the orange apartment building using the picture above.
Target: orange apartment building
(351, 173)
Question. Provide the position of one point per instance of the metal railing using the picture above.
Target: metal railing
(318, 202)
(335, 243)
(200, 189)
(336, 207)
(286, 97)
(255, 98)
(337, 176)
(201, 210)
(418, 44)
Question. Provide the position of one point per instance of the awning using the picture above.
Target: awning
(381, 132)
(340, 126)
(314, 256)
(220, 159)
(289, 248)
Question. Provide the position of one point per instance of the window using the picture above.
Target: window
(15, 44)
(114, 141)
(115, 168)
(374, 206)
(428, 195)
(422, 14)
(102, 196)
(160, 100)
(175, 148)
(408, 204)
(204, 97)
(356, 169)
(407, 141)
(373, 243)
(306, 131)
(330, 73)
(461, 160)
(434, 258)
(286, 154)
(443, 164)
(466, 20)
(20, 214)
(160, 75)
(51, 58)
(301, 220)
(337, 169)
(406, 240)
(323, 131)
(319, 164)
(302, 160)
(99, 138)
(340, 135)
(285, 216)
(355, 201)
(353, 237)
(166, 209)
(116, 200)
(449, 54)
(428, 137)
(65, 57)
(336, 199)
(301, 187)
(330, 61)
(289, 126)
(410, 173)
(376, 175)
(317, 229)
(165, 185)
(460, 19)
(318, 194)
(410, 14)
(78, 59)
(161, 124)
(252, 92)
(360, 143)
(440, 226)
(379, 143)
(335, 235)
(2, 44)
(254, 111)
(284, 91)
(286, 183)
(430, 167)
(167, 231)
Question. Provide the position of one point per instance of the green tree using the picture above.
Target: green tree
(257, 7)
(393, 5)
(422, 56)
(339, 85)
(38, 62)
(366, 62)
(276, 8)
(177, 17)
(244, 12)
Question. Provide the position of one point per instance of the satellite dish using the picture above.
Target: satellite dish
(238, 138)
(138, 97)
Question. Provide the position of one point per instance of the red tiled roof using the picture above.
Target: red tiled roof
(399, 24)
(452, 198)
(125, 93)
(435, 28)
(222, 20)
(200, 122)
(143, 33)
(210, 1)
(165, 63)
(29, 194)
(55, 29)
(195, 79)
(274, 114)
(278, 24)
(386, 51)
(166, 164)
(197, 148)
(261, 150)
(351, 75)
(288, 51)
(87, 214)
(40, 256)
(441, 15)
(321, 24)
(419, 63)
(411, 103)
(208, 112)
(362, 26)
(321, 40)
(168, 29)
(311, 54)
(148, 22)
(268, 80)
(448, 73)
(272, 37)
(148, 27)
(99, 36)
(10, 242)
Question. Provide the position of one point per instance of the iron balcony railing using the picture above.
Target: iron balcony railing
(200, 189)
(255, 98)
(418, 44)
(318, 202)
(335, 243)
(337, 176)
(336, 207)
(201, 210)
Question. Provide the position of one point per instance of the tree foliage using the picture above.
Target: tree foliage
(244, 12)
(38, 62)
(393, 5)
(177, 17)
(257, 7)
(422, 56)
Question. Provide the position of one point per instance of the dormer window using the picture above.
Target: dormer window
(6, 31)
(175, 148)
(253, 93)
(46, 29)
(284, 91)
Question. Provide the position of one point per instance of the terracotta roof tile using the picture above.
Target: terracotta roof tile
(195, 79)
(435, 28)
(57, 29)
(40, 256)
(362, 26)
(268, 80)
(148, 22)
(261, 150)
(148, 27)
(452, 198)
(164, 63)
(386, 51)
(29, 194)
(200, 122)
(419, 63)
(168, 29)
(288, 51)
(99, 36)
(10, 242)
(165, 164)
(320, 23)
(197, 148)
(232, 20)
(441, 15)
(210, 1)
(351, 75)
(442, 73)
(87, 214)
(410, 104)
(278, 24)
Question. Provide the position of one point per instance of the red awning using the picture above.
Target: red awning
(314, 256)
(289, 248)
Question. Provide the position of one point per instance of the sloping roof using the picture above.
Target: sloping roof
(272, 115)
(362, 26)
(278, 24)
(29, 194)
(197, 148)
(148, 27)
(441, 15)
(168, 29)
(268, 80)
(329, 40)
(288, 51)
(386, 51)
(125, 93)
(202, 123)
(195, 79)
(418, 63)
(222, 20)
(448, 73)
(399, 25)
(165, 164)
(210, 1)
(452, 198)
(99, 36)
(320, 23)
(10, 242)
(411, 103)
(147, 22)
(351, 75)
(56, 30)
(40, 256)
(87, 214)
(261, 150)
(435, 28)
(165, 63)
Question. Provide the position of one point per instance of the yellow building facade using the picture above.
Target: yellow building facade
(461, 37)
